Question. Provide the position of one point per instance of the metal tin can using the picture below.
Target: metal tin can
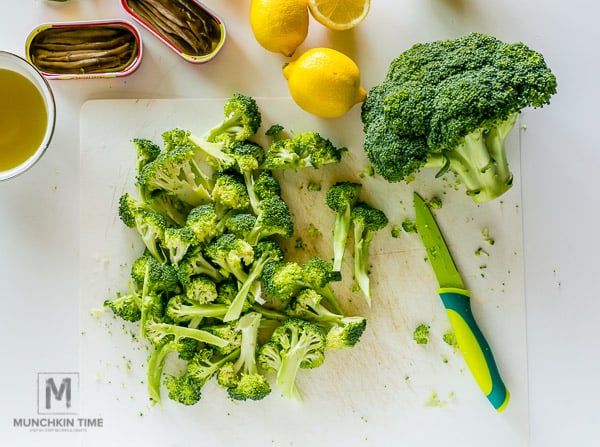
(84, 50)
(187, 27)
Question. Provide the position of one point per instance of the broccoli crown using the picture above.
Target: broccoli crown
(231, 254)
(437, 93)
(201, 289)
(274, 218)
(184, 389)
(154, 276)
(145, 151)
(248, 155)
(230, 193)
(240, 224)
(282, 279)
(318, 273)
(368, 218)
(242, 120)
(174, 138)
(125, 306)
(342, 196)
(302, 150)
(204, 222)
(266, 186)
(177, 241)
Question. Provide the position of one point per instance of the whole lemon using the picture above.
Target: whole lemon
(324, 82)
(279, 26)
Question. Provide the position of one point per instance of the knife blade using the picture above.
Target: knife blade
(457, 302)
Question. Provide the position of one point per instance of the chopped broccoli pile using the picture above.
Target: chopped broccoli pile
(212, 219)
(450, 105)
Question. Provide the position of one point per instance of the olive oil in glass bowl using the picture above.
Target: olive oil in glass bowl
(27, 115)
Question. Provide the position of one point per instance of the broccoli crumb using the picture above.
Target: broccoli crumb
(486, 237)
(299, 244)
(480, 251)
(368, 171)
(421, 334)
(435, 203)
(396, 231)
(313, 186)
(450, 339)
(313, 231)
(409, 225)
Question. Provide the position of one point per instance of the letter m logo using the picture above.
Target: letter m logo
(57, 393)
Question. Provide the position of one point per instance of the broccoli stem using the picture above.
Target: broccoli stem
(286, 375)
(480, 161)
(340, 236)
(156, 363)
(362, 240)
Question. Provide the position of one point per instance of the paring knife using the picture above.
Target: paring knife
(456, 300)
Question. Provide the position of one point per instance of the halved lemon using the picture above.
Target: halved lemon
(339, 14)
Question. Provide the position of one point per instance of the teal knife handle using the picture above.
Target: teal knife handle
(474, 347)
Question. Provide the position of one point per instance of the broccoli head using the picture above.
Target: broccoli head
(449, 105)
(274, 218)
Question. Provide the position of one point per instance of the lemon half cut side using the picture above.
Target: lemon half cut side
(339, 14)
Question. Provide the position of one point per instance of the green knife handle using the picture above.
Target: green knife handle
(474, 347)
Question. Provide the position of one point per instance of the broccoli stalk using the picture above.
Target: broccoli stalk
(450, 104)
(366, 221)
(341, 197)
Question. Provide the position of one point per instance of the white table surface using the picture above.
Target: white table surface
(39, 211)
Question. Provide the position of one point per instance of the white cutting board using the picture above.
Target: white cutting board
(387, 390)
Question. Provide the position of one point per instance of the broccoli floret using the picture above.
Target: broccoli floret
(341, 332)
(341, 197)
(231, 254)
(154, 276)
(181, 173)
(204, 222)
(266, 186)
(282, 279)
(421, 334)
(125, 306)
(241, 377)
(295, 344)
(240, 224)
(366, 221)
(264, 252)
(195, 263)
(229, 194)
(145, 151)
(273, 218)
(168, 205)
(201, 289)
(177, 242)
(317, 274)
(274, 131)
(206, 363)
(304, 149)
(184, 389)
(450, 104)
(228, 332)
(242, 120)
(249, 157)
(149, 224)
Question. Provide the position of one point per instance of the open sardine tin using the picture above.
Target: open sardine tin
(188, 27)
(85, 50)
